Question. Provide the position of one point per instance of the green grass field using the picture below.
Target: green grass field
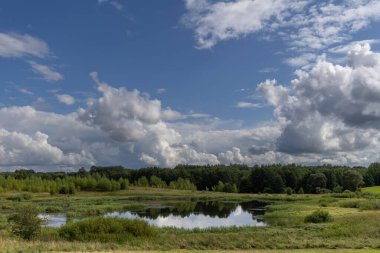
(263, 251)
(355, 226)
(373, 189)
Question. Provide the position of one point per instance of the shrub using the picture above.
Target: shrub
(289, 191)
(350, 204)
(106, 229)
(322, 190)
(318, 216)
(53, 209)
(26, 196)
(67, 189)
(300, 191)
(25, 222)
(338, 189)
(15, 198)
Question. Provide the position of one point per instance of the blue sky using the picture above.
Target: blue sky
(188, 82)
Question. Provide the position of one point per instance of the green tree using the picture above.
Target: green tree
(157, 182)
(219, 187)
(142, 181)
(228, 187)
(25, 222)
(317, 180)
(352, 180)
(104, 185)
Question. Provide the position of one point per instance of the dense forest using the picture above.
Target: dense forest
(232, 178)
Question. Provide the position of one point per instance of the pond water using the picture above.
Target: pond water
(53, 220)
(189, 215)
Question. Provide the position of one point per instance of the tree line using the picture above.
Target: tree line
(274, 178)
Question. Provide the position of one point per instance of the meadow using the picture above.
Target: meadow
(354, 224)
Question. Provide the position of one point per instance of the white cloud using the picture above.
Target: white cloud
(41, 104)
(17, 45)
(47, 73)
(302, 60)
(131, 117)
(122, 113)
(67, 140)
(329, 113)
(161, 90)
(21, 149)
(114, 3)
(275, 94)
(325, 23)
(223, 20)
(248, 105)
(169, 115)
(149, 160)
(65, 99)
(24, 91)
(307, 26)
(332, 110)
(268, 70)
(344, 49)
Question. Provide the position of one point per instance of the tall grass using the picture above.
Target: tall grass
(106, 230)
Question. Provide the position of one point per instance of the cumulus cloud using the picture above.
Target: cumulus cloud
(331, 110)
(17, 45)
(275, 94)
(47, 73)
(22, 149)
(71, 142)
(122, 113)
(132, 117)
(65, 99)
(328, 114)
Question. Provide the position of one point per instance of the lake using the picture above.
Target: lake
(188, 215)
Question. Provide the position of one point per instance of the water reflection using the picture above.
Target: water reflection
(237, 218)
(188, 215)
(200, 215)
(53, 220)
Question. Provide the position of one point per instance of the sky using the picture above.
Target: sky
(143, 83)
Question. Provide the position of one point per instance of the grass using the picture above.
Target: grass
(264, 251)
(353, 229)
(373, 189)
(105, 229)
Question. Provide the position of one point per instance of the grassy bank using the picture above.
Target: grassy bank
(373, 189)
(354, 226)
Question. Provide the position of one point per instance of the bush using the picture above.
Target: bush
(53, 209)
(25, 222)
(300, 191)
(318, 216)
(350, 204)
(106, 229)
(338, 189)
(322, 190)
(67, 189)
(289, 191)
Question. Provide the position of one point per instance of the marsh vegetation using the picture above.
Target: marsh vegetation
(114, 209)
